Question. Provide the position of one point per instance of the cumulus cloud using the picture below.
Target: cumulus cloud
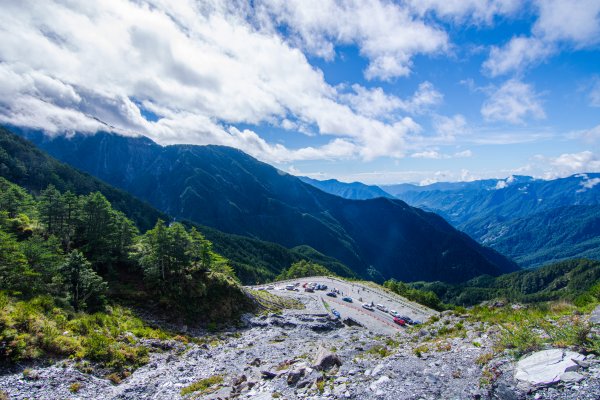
(518, 53)
(201, 68)
(575, 25)
(374, 102)
(569, 164)
(387, 33)
(513, 102)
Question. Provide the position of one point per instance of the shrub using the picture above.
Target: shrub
(203, 385)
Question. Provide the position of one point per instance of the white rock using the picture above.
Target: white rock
(377, 370)
(571, 376)
(546, 367)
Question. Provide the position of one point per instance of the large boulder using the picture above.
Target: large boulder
(544, 368)
(325, 359)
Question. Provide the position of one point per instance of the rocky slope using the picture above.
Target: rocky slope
(304, 355)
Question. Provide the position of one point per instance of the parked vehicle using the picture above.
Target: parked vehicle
(336, 313)
(407, 319)
(323, 287)
(417, 322)
(394, 313)
(381, 307)
(310, 290)
(270, 287)
(290, 287)
(399, 321)
(347, 299)
(367, 306)
(331, 294)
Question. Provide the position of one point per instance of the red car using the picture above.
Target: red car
(399, 321)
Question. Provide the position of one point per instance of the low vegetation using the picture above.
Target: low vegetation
(203, 386)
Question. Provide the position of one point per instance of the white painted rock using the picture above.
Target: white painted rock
(545, 367)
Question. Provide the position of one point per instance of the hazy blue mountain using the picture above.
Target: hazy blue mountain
(531, 220)
(228, 190)
(353, 191)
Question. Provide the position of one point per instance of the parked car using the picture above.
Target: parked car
(290, 287)
(331, 294)
(407, 319)
(417, 322)
(347, 299)
(394, 313)
(336, 313)
(323, 287)
(381, 307)
(310, 290)
(367, 306)
(399, 321)
(270, 287)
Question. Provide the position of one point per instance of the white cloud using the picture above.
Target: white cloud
(568, 164)
(513, 102)
(386, 33)
(201, 67)
(376, 103)
(591, 135)
(560, 23)
(520, 52)
(590, 183)
(436, 155)
(478, 11)
(450, 127)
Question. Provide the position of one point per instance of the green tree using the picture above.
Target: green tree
(86, 289)
(15, 274)
(303, 269)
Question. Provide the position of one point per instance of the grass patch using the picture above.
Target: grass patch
(556, 324)
(203, 386)
(379, 350)
(38, 328)
(270, 302)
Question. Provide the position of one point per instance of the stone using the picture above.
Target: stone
(571, 377)
(325, 359)
(377, 370)
(595, 317)
(268, 374)
(294, 376)
(544, 368)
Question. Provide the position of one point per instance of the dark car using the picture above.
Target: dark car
(309, 290)
(407, 320)
(336, 313)
(348, 299)
(331, 294)
(399, 321)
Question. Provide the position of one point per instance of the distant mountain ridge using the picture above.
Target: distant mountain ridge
(228, 190)
(352, 191)
(520, 216)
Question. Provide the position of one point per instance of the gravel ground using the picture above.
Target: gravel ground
(307, 355)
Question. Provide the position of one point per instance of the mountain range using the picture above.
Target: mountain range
(232, 192)
(352, 191)
(533, 221)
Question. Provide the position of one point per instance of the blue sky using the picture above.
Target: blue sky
(378, 91)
